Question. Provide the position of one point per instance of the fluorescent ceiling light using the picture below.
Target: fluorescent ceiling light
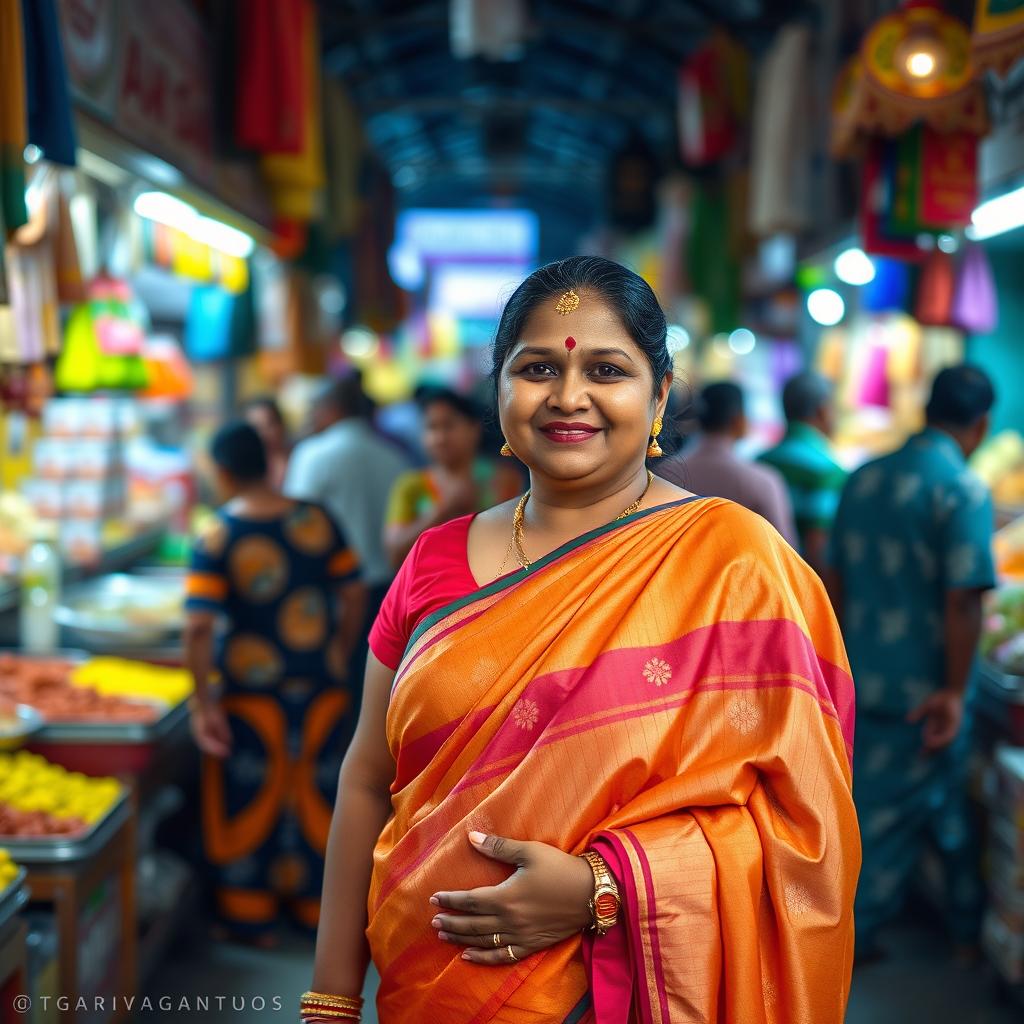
(223, 237)
(995, 216)
(176, 213)
(166, 209)
(854, 266)
(826, 307)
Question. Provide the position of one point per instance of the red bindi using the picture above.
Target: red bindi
(570, 344)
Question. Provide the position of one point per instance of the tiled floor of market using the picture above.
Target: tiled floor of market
(916, 984)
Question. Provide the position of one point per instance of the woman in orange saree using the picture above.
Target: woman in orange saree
(668, 691)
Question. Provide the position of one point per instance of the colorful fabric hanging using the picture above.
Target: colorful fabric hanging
(713, 100)
(890, 288)
(270, 111)
(51, 124)
(13, 118)
(297, 178)
(780, 151)
(934, 306)
(997, 42)
(975, 304)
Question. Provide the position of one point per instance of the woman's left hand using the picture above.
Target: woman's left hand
(543, 902)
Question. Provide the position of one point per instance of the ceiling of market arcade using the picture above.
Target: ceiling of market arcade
(542, 121)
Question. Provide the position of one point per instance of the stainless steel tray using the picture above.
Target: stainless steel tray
(68, 849)
(100, 731)
(90, 611)
(13, 898)
(121, 733)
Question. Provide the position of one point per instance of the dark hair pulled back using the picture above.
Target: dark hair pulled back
(627, 293)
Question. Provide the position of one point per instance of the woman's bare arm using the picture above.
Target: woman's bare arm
(360, 812)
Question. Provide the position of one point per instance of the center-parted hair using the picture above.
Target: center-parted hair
(238, 450)
(627, 293)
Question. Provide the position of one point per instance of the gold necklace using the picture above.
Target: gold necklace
(518, 517)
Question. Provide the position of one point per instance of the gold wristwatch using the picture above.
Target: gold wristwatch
(604, 904)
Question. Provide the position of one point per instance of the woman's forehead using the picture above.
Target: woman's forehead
(591, 322)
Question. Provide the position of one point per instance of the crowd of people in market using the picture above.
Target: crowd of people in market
(312, 535)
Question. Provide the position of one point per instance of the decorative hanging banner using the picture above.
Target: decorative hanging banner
(914, 65)
(949, 177)
(878, 200)
(998, 39)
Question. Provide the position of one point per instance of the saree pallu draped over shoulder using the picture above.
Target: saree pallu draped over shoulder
(673, 690)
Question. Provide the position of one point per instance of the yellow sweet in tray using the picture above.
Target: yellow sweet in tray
(8, 870)
(30, 783)
(119, 677)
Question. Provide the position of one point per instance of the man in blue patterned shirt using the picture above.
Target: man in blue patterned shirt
(804, 458)
(910, 557)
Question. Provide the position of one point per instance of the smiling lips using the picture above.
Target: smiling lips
(569, 433)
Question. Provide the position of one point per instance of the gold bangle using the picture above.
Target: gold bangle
(327, 999)
(317, 1016)
(334, 1012)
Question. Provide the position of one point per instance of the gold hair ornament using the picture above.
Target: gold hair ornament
(567, 303)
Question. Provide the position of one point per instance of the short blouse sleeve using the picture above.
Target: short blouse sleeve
(206, 587)
(392, 628)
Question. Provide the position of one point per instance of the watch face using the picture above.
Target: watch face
(607, 905)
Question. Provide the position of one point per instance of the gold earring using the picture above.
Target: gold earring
(654, 449)
(507, 451)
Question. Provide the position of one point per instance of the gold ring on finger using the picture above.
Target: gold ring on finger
(511, 955)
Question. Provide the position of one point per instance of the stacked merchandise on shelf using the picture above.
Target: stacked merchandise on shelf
(79, 477)
(1003, 935)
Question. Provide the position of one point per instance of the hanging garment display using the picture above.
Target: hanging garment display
(296, 178)
(997, 41)
(51, 124)
(975, 304)
(713, 100)
(780, 150)
(935, 288)
(13, 118)
(270, 115)
(103, 341)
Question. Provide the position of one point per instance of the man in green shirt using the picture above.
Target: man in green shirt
(804, 458)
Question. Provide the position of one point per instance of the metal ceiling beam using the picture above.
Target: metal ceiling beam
(445, 104)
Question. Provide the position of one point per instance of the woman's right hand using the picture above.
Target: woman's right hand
(210, 728)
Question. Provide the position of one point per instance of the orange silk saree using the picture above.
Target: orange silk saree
(673, 689)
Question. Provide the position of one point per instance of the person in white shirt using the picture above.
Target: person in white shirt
(349, 469)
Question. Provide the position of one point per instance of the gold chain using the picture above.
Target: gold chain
(520, 514)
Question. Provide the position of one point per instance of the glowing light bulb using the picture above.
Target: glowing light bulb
(920, 64)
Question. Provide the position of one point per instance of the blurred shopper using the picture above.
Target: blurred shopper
(804, 458)
(283, 578)
(457, 482)
(911, 557)
(350, 469)
(711, 467)
(263, 414)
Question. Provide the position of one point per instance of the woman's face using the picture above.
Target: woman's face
(576, 395)
(449, 438)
